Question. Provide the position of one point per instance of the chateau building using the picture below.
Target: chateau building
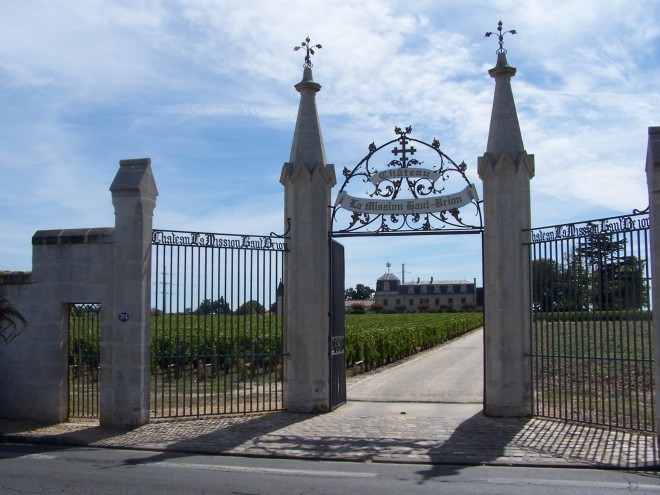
(423, 295)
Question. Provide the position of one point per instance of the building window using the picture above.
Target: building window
(463, 300)
(423, 300)
(385, 302)
(386, 286)
(398, 301)
(450, 300)
(410, 302)
(437, 301)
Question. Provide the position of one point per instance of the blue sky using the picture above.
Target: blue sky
(205, 89)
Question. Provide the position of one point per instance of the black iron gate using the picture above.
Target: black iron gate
(592, 334)
(84, 360)
(216, 325)
(337, 327)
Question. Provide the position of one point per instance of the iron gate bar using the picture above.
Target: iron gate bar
(84, 360)
(592, 339)
(223, 362)
(472, 231)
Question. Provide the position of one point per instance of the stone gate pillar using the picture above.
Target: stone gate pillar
(125, 376)
(506, 169)
(307, 181)
(653, 181)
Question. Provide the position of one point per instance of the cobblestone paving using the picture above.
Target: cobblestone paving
(464, 436)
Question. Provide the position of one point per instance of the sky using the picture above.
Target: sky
(205, 89)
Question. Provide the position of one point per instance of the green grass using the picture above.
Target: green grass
(594, 371)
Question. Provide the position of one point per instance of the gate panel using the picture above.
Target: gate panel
(337, 327)
(84, 360)
(592, 334)
(217, 329)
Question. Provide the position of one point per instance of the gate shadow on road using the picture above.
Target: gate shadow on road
(539, 442)
(476, 441)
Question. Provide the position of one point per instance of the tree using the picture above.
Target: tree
(628, 284)
(360, 293)
(11, 323)
(616, 280)
(208, 307)
(576, 285)
(546, 285)
(600, 255)
(251, 308)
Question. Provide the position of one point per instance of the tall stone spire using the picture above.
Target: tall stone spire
(307, 146)
(307, 181)
(506, 170)
(504, 134)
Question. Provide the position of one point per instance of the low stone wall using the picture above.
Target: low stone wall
(69, 266)
(109, 266)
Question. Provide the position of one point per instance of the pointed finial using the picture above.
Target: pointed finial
(500, 35)
(309, 49)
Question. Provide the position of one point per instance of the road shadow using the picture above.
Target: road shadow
(476, 441)
(212, 435)
(483, 440)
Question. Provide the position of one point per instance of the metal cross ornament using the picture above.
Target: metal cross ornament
(500, 35)
(403, 139)
(310, 51)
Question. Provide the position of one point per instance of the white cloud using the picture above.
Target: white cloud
(206, 89)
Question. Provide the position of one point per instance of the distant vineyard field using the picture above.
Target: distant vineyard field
(376, 339)
(382, 338)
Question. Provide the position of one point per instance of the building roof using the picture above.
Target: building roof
(388, 276)
(437, 282)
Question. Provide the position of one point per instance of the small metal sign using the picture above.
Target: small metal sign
(123, 316)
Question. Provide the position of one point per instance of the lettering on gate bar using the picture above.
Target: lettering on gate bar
(204, 239)
(604, 226)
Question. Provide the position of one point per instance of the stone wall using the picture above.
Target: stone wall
(68, 266)
(109, 266)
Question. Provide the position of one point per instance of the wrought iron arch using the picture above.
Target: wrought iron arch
(406, 195)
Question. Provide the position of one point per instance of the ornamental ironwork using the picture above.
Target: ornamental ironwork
(309, 51)
(272, 242)
(638, 221)
(420, 190)
(500, 36)
(337, 345)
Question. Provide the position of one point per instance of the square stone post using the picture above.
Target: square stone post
(307, 181)
(307, 289)
(653, 182)
(125, 353)
(506, 170)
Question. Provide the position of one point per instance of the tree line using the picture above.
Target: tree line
(222, 307)
(597, 274)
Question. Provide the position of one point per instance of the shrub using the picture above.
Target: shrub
(357, 308)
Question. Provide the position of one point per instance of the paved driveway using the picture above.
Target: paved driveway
(452, 373)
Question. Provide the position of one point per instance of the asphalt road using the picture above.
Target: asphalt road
(452, 373)
(45, 470)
